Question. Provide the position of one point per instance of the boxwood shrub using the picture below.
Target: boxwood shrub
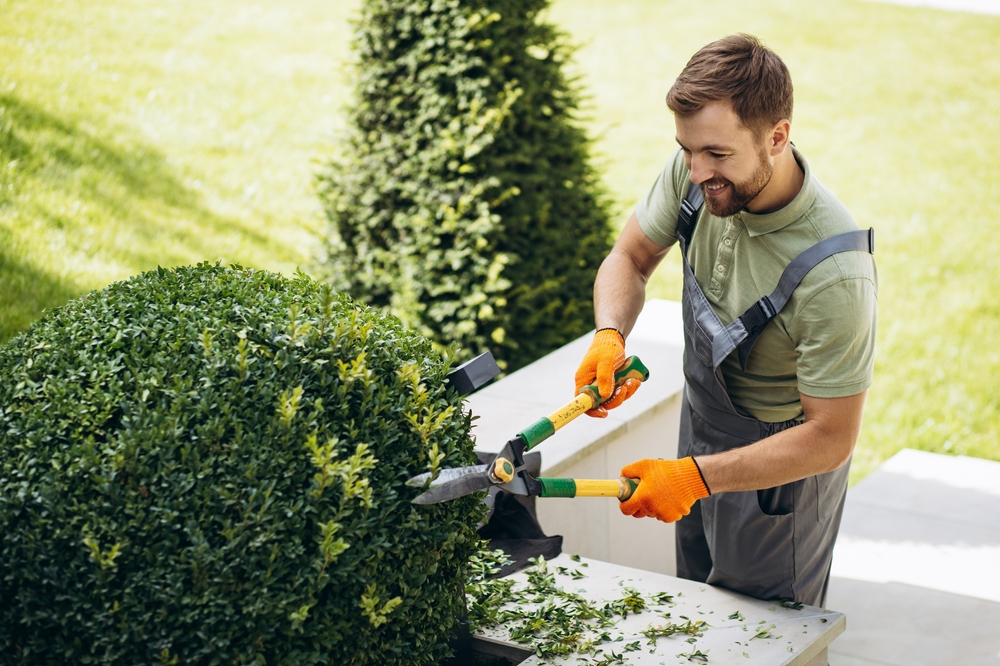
(206, 465)
(462, 198)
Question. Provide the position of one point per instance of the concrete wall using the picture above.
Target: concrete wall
(645, 426)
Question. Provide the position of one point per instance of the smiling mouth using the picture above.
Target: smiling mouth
(715, 188)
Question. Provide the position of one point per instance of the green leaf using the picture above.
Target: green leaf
(462, 198)
(206, 464)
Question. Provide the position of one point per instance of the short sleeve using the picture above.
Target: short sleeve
(834, 334)
(657, 211)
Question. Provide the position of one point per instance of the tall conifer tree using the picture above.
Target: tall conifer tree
(462, 199)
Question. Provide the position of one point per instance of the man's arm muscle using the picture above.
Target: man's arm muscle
(620, 287)
(822, 443)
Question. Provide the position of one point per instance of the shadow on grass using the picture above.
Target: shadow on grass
(26, 292)
(75, 201)
(45, 145)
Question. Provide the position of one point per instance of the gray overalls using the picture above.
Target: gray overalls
(768, 544)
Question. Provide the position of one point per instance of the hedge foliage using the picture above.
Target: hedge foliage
(206, 465)
(463, 200)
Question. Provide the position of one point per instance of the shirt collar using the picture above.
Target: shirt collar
(758, 225)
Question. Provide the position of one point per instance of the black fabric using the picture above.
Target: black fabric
(513, 526)
(515, 531)
(688, 215)
(460, 644)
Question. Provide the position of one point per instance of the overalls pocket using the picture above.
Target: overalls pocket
(778, 501)
(748, 545)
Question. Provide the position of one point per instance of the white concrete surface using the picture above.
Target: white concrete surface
(927, 520)
(917, 564)
(798, 638)
(893, 624)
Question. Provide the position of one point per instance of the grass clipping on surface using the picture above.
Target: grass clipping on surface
(555, 622)
(538, 610)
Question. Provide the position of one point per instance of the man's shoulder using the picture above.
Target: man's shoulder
(824, 218)
(829, 217)
(828, 214)
(657, 211)
(832, 314)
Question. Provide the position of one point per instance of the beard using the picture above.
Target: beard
(740, 194)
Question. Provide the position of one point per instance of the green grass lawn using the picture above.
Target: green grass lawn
(141, 133)
(137, 133)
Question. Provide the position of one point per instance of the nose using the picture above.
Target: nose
(700, 170)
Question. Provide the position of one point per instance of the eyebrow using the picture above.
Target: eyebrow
(715, 148)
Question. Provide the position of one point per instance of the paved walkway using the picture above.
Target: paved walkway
(917, 564)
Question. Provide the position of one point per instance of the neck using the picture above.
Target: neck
(786, 181)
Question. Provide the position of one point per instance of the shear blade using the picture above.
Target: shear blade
(444, 476)
(454, 483)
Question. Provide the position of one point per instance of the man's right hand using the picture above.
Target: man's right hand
(667, 488)
(606, 354)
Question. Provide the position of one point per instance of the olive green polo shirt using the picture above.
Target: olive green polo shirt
(822, 344)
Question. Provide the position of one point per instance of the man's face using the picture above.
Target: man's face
(731, 164)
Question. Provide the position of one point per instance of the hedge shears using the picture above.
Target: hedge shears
(507, 469)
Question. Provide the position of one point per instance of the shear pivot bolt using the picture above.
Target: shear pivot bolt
(503, 470)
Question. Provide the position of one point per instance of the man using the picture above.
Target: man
(777, 362)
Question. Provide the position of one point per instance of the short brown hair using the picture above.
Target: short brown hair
(740, 69)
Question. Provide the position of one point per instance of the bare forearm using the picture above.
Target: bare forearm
(619, 294)
(821, 444)
(620, 288)
(771, 462)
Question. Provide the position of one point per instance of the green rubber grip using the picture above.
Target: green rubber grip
(633, 368)
(537, 432)
(558, 488)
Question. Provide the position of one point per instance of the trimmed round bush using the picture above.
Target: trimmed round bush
(206, 465)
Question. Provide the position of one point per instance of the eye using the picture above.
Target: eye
(718, 156)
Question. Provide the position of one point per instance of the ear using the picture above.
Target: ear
(778, 137)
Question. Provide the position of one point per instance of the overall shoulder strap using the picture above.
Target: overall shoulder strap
(688, 215)
(763, 311)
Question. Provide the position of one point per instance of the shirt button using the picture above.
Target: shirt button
(728, 242)
(721, 268)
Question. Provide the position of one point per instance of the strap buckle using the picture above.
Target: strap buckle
(764, 312)
(688, 211)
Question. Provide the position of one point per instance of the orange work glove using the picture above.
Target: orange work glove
(606, 354)
(667, 488)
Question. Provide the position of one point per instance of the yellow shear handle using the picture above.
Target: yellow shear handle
(622, 488)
